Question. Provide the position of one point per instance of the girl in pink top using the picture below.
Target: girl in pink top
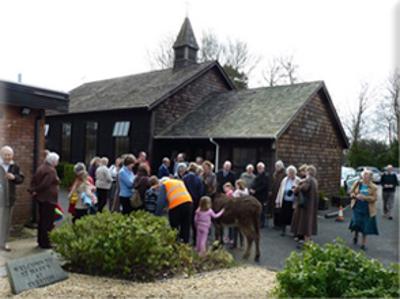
(202, 220)
(228, 189)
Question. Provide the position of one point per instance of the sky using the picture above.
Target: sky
(60, 44)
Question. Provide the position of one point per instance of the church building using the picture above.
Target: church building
(195, 108)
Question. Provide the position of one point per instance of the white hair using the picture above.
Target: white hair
(366, 171)
(279, 165)
(249, 166)
(52, 158)
(7, 148)
(104, 161)
(291, 168)
(227, 162)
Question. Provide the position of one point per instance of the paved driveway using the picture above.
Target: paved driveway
(275, 249)
(385, 247)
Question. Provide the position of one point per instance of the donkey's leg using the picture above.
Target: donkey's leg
(257, 241)
(249, 239)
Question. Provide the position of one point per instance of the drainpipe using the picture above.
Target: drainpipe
(216, 153)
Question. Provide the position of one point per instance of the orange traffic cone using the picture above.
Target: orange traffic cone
(340, 217)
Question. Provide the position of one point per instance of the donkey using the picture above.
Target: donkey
(244, 213)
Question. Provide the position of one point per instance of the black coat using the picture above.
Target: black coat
(261, 187)
(195, 187)
(221, 179)
(19, 179)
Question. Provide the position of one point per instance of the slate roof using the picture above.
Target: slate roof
(22, 95)
(186, 36)
(134, 91)
(253, 113)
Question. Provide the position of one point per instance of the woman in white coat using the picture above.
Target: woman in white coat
(285, 200)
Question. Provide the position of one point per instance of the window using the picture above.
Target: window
(66, 142)
(90, 140)
(121, 137)
(121, 129)
(46, 130)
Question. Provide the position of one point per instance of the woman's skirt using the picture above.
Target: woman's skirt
(286, 213)
(361, 221)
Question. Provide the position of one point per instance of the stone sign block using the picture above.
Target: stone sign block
(34, 271)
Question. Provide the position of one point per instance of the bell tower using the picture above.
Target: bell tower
(185, 46)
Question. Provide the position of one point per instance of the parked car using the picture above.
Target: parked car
(376, 174)
(350, 180)
(397, 171)
(346, 172)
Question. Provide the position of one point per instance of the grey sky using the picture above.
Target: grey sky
(60, 44)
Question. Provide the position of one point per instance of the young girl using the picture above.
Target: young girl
(202, 221)
(241, 189)
(228, 189)
(84, 192)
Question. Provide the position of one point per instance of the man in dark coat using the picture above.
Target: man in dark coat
(163, 171)
(260, 189)
(44, 188)
(10, 176)
(389, 183)
(225, 175)
(195, 186)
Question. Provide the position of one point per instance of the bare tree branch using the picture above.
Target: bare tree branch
(273, 73)
(393, 99)
(356, 126)
(211, 48)
(290, 69)
(163, 56)
(234, 56)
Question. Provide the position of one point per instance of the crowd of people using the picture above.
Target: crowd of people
(185, 190)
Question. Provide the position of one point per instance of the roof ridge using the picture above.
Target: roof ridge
(281, 86)
(142, 73)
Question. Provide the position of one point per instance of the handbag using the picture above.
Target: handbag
(135, 200)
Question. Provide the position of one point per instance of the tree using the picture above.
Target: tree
(356, 124)
(211, 48)
(289, 69)
(281, 70)
(234, 56)
(393, 98)
(273, 73)
(163, 56)
(372, 152)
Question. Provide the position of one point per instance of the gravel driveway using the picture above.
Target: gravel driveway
(239, 282)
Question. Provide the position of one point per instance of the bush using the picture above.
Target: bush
(66, 173)
(140, 247)
(335, 270)
(342, 192)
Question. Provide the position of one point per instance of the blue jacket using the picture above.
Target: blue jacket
(195, 187)
(161, 200)
(163, 171)
(126, 179)
(150, 201)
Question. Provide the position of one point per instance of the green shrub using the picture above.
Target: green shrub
(140, 247)
(335, 270)
(342, 192)
(66, 173)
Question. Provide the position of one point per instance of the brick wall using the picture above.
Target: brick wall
(313, 139)
(19, 132)
(188, 98)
